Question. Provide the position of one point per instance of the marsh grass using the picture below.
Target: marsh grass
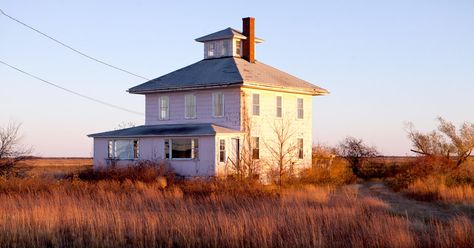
(131, 213)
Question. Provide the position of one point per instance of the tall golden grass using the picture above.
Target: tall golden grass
(434, 188)
(111, 213)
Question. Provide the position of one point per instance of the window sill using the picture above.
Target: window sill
(122, 159)
(182, 159)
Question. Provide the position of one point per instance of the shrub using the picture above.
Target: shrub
(144, 171)
(338, 173)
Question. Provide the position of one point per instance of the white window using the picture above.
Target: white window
(278, 106)
(300, 148)
(238, 46)
(123, 149)
(218, 104)
(255, 104)
(190, 106)
(181, 149)
(164, 108)
(255, 147)
(210, 49)
(222, 153)
(300, 108)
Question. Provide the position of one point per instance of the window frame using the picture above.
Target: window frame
(211, 46)
(112, 149)
(256, 147)
(214, 98)
(186, 106)
(222, 151)
(238, 47)
(300, 144)
(255, 106)
(279, 107)
(160, 108)
(298, 109)
(168, 149)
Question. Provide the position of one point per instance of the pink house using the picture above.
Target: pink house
(194, 116)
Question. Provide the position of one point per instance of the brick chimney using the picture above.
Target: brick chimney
(248, 27)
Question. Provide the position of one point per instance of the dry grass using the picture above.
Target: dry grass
(110, 213)
(435, 189)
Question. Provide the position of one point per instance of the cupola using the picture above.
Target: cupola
(232, 43)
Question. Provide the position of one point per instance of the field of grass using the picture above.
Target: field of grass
(149, 210)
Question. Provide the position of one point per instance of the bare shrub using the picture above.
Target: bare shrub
(339, 173)
(323, 155)
(355, 151)
(11, 149)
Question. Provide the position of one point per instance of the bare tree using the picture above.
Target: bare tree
(434, 144)
(283, 150)
(245, 167)
(354, 151)
(11, 149)
(431, 144)
(462, 141)
(125, 124)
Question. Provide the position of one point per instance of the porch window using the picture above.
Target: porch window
(300, 148)
(190, 106)
(123, 149)
(278, 106)
(164, 108)
(255, 147)
(300, 108)
(222, 153)
(255, 104)
(181, 149)
(218, 104)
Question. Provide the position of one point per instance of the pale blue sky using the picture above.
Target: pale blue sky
(385, 62)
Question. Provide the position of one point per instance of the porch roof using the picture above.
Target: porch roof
(166, 130)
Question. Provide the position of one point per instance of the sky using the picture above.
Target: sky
(384, 62)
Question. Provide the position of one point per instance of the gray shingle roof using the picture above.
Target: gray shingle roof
(226, 71)
(225, 34)
(197, 129)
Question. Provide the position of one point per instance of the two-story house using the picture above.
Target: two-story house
(195, 117)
